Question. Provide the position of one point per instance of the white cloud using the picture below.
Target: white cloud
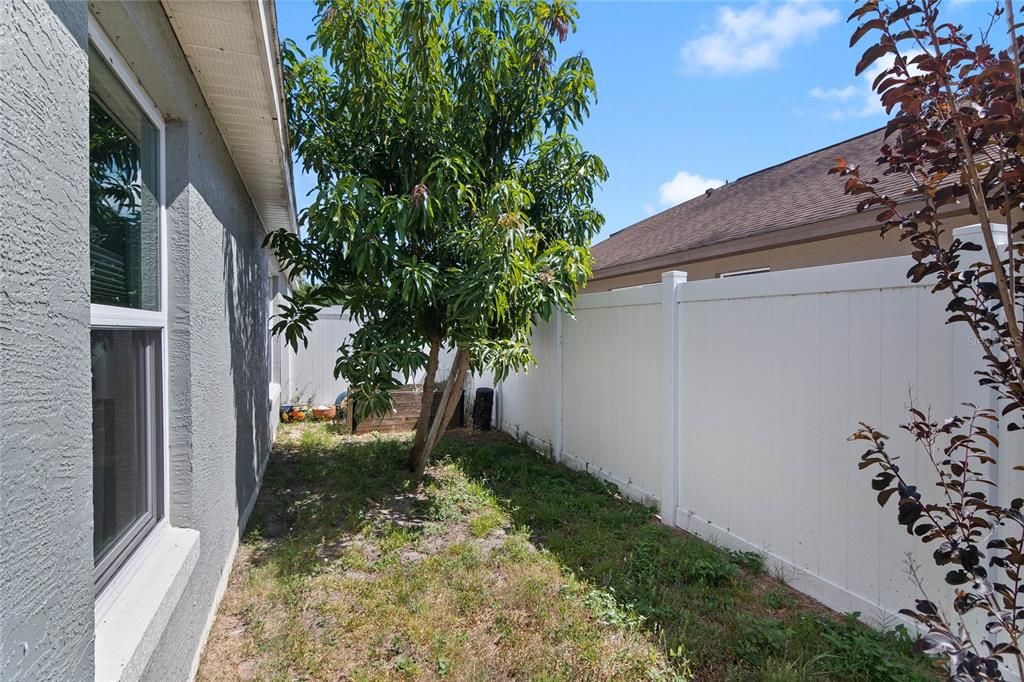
(685, 186)
(648, 209)
(860, 100)
(841, 94)
(754, 38)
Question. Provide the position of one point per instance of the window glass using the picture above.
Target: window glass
(125, 431)
(127, 358)
(123, 210)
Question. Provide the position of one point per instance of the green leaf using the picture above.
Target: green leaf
(451, 200)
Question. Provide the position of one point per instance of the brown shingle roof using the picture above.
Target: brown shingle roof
(793, 193)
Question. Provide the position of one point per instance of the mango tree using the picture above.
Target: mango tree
(453, 204)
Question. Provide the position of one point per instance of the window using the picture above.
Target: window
(272, 344)
(741, 273)
(125, 436)
(128, 311)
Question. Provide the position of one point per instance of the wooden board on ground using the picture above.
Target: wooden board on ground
(405, 413)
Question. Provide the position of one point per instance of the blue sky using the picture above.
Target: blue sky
(691, 94)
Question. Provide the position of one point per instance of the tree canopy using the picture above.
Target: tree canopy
(453, 203)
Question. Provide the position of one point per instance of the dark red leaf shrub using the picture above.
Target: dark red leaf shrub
(956, 120)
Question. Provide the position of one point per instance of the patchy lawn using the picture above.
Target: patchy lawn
(503, 565)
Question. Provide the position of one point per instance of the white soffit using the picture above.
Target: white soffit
(232, 47)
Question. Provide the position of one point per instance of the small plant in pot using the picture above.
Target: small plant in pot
(286, 411)
(297, 409)
(324, 412)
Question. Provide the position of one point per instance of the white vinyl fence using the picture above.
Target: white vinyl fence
(728, 403)
(312, 366)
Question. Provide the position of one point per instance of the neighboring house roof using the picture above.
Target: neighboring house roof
(792, 194)
(232, 48)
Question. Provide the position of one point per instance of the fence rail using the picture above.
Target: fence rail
(314, 363)
(311, 367)
(728, 403)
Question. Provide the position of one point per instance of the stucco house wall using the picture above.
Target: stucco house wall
(220, 417)
(45, 432)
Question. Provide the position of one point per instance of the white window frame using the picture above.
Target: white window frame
(114, 317)
(741, 273)
(272, 341)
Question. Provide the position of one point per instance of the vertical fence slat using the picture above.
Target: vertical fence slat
(559, 411)
(671, 386)
(730, 402)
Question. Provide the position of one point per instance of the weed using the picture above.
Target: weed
(353, 570)
(783, 573)
(759, 639)
(608, 610)
(861, 653)
(406, 665)
(315, 438)
(749, 561)
(713, 569)
(777, 598)
(782, 670)
(482, 523)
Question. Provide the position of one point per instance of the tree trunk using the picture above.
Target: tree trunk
(449, 400)
(426, 402)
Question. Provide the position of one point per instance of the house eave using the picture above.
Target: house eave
(232, 49)
(791, 236)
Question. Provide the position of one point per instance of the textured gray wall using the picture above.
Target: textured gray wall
(46, 605)
(220, 423)
(219, 405)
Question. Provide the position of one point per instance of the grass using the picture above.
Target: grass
(503, 565)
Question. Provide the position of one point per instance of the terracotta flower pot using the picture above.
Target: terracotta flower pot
(324, 412)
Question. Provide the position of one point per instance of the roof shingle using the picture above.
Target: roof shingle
(797, 192)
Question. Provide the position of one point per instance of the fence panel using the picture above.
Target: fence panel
(527, 405)
(313, 365)
(774, 373)
(611, 365)
(779, 369)
(311, 374)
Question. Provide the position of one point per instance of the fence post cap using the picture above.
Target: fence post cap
(973, 233)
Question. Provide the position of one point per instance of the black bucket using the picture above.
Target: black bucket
(482, 407)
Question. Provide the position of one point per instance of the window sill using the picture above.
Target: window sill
(132, 612)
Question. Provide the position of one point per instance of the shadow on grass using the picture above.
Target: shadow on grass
(715, 607)
(317, 486)
(702, 604)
